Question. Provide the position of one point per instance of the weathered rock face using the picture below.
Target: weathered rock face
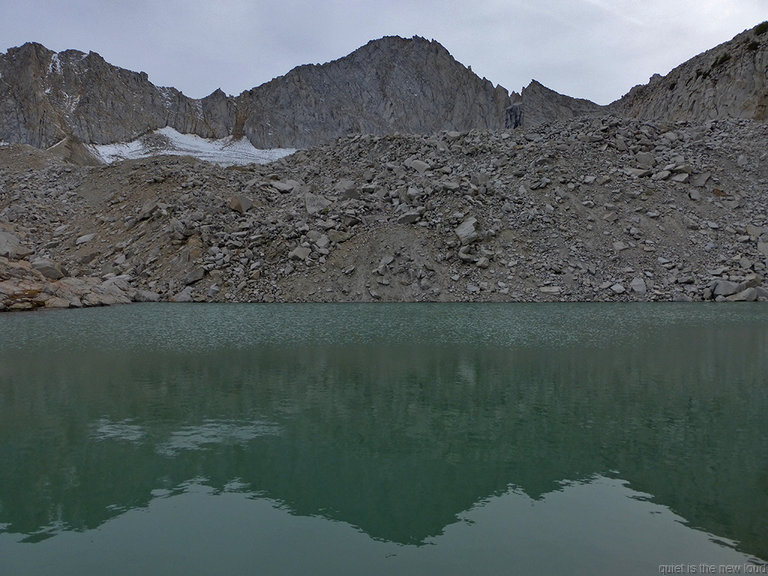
(728, 81)
(389, 85)
(538, 105)
(46, 97)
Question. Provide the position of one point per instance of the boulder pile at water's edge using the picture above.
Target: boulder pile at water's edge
(593, 209)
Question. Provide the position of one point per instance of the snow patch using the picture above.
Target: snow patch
(166, 94)
(55, 64)
(70, 102)
(225, 152)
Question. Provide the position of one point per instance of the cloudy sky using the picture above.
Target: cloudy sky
(596, 49)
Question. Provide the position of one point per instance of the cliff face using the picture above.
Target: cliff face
(46, 96)
(728, 81)
(389, 85)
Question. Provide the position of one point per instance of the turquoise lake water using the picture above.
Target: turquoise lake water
(384, 439)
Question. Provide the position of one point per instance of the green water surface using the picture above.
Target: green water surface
(384, 439)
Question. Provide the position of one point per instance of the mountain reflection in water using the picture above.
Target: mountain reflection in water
(410, 424)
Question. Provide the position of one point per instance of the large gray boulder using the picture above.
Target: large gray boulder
(50, 269)
(11, 246)
(467, 231)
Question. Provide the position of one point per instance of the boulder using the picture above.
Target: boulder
(285, 187)
(347, 189)
(48, 268)
(748, 295)
(725, 288)
(410, 217)
(240, 203)
(213, 291)
(300, 253)
(645, 160)
(315, 203)
(638, 285)
(146, 296)
(751, 281)
(338, 236)
(194, 275)
(467, 232)
(699, 180)
(11, 246)
(56, 302)
(419, 165)
(323, 242)
(85, 238)
(183, 296)
(385, 261)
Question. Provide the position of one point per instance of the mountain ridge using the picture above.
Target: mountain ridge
(399, 85)
(389, 85)
(729, 80)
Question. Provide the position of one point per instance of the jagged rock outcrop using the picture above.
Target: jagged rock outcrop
(539, 104)
(47, 96)
(728, 81)
(389, 85)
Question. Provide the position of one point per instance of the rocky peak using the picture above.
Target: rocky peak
(47, 96)
(389, 85)
(540, 104)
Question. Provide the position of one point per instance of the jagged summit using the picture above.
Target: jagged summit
(391, 84)
(539, 105)
(388, 85)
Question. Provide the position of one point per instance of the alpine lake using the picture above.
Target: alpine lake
(415, 439)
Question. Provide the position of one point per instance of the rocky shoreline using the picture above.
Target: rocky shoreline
(593, 209)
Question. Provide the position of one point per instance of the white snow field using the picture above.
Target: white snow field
(226, 151)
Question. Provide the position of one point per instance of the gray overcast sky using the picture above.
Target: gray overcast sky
(596, 49)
